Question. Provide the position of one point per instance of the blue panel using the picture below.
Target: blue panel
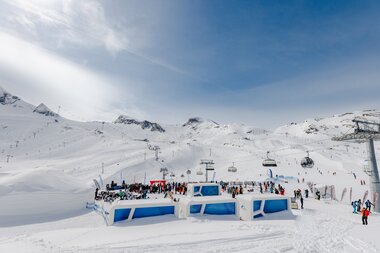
(256, 205)
(196, 189)
(152, 211)
(220, 208)
(275, 205)
(195, 208)
(121, 214)
(210, 190)
(258, 215)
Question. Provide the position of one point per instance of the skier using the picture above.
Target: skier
(359, 205)
(368, 205)
(318, 195)
(354, 205)
(365, 214)
(306, 193)
(301, 202)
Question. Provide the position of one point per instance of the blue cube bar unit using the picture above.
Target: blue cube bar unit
(210, 205)
(256, 206)
(203, 189)
(133, 209)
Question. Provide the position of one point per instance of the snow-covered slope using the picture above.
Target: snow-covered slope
(45, 155)
(48, 163)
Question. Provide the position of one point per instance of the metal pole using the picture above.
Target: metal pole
(374, 178)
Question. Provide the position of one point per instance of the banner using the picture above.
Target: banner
(365, 197)
(350, 195)
(333, 196)
(270, 174)
(96, 184)
(101, 182)
(343, 194)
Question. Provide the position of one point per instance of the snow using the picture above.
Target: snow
(321, 227)
(47, 165)
(43, 109)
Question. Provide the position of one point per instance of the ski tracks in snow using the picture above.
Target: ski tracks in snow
(322, 232)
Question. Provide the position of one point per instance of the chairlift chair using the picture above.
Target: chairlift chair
(199, 172)
(232, 168)
(269, 162)
(307, 162)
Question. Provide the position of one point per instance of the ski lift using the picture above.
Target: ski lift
(199, 172)
(232, 168)
(269, 162)
(307, 162)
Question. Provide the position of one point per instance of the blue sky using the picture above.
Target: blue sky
(264, 63)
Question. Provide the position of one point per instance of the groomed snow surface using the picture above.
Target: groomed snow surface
(47, 164)
(320, 227)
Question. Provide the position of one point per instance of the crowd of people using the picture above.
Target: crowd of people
(125, 191)
(138, 191)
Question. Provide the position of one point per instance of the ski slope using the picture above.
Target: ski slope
(47, 164)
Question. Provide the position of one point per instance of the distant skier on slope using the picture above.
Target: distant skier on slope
(365, 214)
(354, 205)
(359, 205)
(368, 204)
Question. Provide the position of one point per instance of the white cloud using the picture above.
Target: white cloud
(74, 22)
(39, 75)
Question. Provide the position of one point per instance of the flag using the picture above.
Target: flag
(365, 196)
(101, 181)
(350, 194)
(343, 193)
(375, 195)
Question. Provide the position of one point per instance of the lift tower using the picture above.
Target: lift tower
(209, 166)
(367, 132)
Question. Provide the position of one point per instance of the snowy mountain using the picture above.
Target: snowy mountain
(48, 165)
(43, 109)
(7, 98)
(154, 127)
(37, 150)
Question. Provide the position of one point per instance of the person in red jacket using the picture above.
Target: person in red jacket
(365, 214)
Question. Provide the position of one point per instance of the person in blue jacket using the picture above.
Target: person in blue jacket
(355, 206)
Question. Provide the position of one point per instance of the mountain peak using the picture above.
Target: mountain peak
(154, 127)
(6, 97)
(194, 121)
(43, 109)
